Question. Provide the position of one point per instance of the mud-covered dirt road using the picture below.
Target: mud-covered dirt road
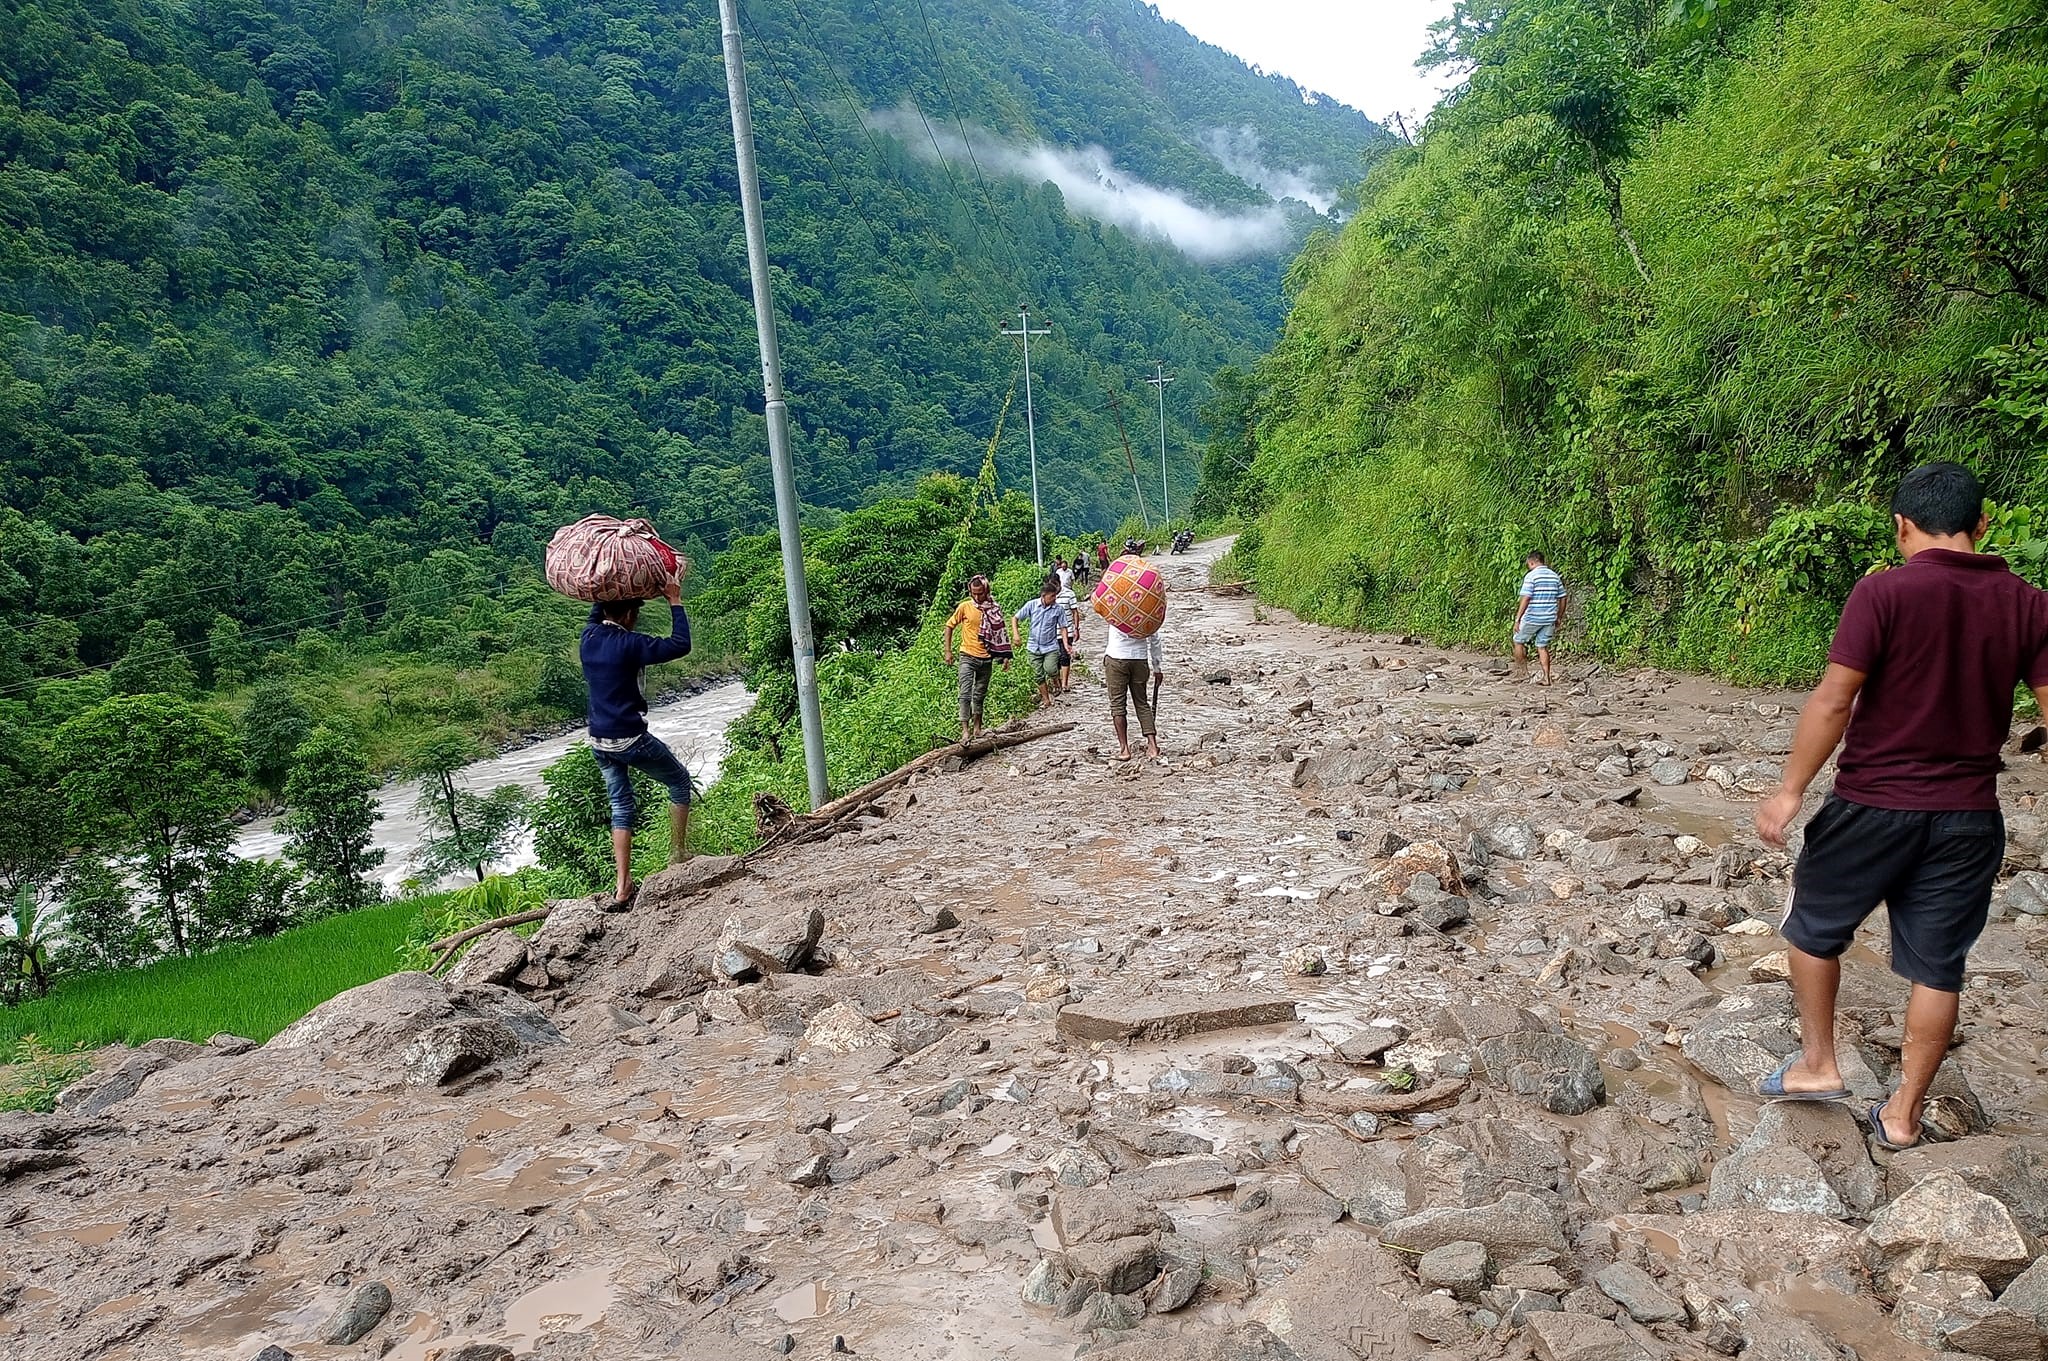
(1404, 1009)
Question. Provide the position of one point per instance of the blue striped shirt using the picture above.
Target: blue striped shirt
(1542, 588)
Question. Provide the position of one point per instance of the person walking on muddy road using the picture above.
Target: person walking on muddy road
(1050, 629)
(1130, 669)
(1536, 618)
(985, 639)
(1919, 694)
(613, 657)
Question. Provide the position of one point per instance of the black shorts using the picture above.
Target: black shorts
(1933, 871)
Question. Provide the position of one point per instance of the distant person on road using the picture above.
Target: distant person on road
(1920, 678)
(1101, 557)
(1073, 644)
(1131, 667)
(1064, 573)
(1536, 618)
(1050, 626)
(983, 636)
(1080, 567)
(613, 657)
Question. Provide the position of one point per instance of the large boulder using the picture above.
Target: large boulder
(1366, 1179)
(1940, 1224)
(1747, 1034)
(2013, 1168)
(495, 957)
(103, 1089)
(1802, 1156)
(415, 1020)
(1581, 1337)
(775, 946)
(1516, 1229)
(1555, 1071)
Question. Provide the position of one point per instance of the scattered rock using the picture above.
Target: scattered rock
(494, 957)
(2028, 1294)
(444, 1052)
(103, 1090)
(843, 1028)
(1669, 771)
(1167, 1018)
(1802, 1157)
(1558, 1072)
(363, 1310)
(1580, 1337)
(1457, 1267)
(1940, 1224)
(1637, 1292)
(2027, 893)
(773, 947)
(1517, 1228)
(1176, 1289)
(1929, 1298)
(1367, 1045)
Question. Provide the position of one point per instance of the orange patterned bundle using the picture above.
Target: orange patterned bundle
(603, 558)
(1132, 596)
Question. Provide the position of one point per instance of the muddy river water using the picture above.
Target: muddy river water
(694, 726)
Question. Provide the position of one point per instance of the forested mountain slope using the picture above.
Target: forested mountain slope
(319, 316)
(1674, 292)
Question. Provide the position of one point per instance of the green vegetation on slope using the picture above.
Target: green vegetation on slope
(253, 990)
(316, 317)
(1673, 294)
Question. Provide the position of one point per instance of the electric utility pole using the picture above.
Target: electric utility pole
(1025, 332)
(802, 645)
(1159, 379)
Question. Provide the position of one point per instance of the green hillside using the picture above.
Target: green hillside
(1674, 292)
(316, 318)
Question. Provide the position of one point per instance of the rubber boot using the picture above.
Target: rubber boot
(678, 833)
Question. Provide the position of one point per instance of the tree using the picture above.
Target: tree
(330, 813)
(228, 654)
(152, 777)
(102, 930)
(244, 900)
(32, 841)
(31, 931)
(274, 723)
(152, 664)
(462, 830)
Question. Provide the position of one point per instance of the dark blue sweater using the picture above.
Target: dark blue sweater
(613, 658)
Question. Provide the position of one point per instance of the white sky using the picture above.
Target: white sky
(1361, 51)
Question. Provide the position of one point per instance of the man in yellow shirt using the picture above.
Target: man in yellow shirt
(974, 618)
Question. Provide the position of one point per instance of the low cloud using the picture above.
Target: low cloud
(1241, 151)
(1092, 186)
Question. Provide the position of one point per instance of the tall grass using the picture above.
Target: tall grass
(253, 990)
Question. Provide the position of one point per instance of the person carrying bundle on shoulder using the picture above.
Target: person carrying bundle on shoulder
(613, 657)
(985, 639)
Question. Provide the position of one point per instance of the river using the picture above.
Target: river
(694, 726)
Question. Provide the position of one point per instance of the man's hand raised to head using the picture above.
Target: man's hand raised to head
(675, 589)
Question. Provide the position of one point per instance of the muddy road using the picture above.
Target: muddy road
(1404, 1009)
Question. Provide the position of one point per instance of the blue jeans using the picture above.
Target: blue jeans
(652, 755)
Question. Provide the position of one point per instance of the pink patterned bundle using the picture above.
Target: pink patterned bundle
(601, 557)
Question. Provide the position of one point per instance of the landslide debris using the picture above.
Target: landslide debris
(1403, 1011)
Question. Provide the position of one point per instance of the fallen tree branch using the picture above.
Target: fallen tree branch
(804, 827)
(446, 947)
(963, 989)
(818, 824)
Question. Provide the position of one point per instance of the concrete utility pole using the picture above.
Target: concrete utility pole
(1025, 332)
(1159, 379)
(802, 645)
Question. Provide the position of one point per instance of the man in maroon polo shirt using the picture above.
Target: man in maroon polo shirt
(1921, 675)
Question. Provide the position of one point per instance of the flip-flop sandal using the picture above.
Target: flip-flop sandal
(1772, 1088)
(621, 904)
(1876, 1117)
